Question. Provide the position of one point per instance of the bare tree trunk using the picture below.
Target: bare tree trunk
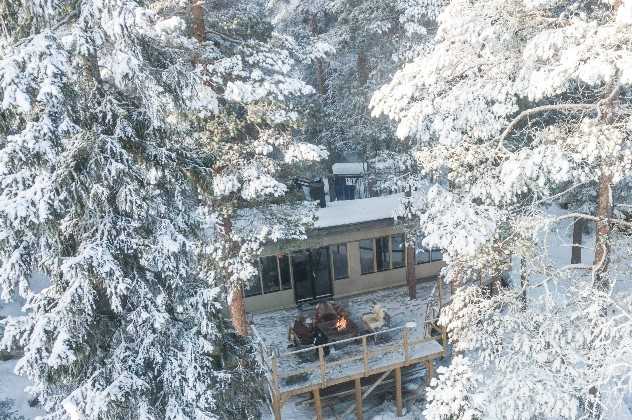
(197, 20)
(524, 283)
(363, 67)
(236, 297)
(603, 227)
(237, 307)
(411, 278)
(320, 68)
(578, 232)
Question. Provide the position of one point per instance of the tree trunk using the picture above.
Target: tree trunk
(237, 307)
(320, 68)
(411, 278)
(603, 227)
(578, 231)
(363, 67)
(236, 297)
(197, 20)
(524, 283)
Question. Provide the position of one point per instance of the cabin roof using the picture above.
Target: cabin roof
(349, 212)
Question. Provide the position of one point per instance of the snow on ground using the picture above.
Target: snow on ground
(273, 326)
(12, 387)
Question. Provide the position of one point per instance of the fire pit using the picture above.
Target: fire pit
(334, 321)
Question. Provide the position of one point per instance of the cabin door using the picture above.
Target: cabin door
(311, 270)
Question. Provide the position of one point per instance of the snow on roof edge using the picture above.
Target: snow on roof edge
(348, 212)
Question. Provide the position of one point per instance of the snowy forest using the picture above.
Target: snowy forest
(324, 209)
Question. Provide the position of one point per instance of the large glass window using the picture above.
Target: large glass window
(367, 256)
(399, 250)
(436, 255)
(254, 287)
(284, 271)
(383, 254)
(269, 274)
(340, 261)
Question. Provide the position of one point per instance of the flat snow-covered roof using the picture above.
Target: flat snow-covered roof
(349, 168)
(347, 212)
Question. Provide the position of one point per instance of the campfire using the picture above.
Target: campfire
(342, 323)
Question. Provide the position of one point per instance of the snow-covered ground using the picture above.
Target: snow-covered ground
(13, 386)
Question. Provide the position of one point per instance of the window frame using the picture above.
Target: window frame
(278, 271)
(390, 253)
(403, 251)
(333, 264)
(374, 262)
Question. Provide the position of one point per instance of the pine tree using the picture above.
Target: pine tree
(100, 110)
(522, 102)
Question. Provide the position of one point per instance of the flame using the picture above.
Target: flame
(342, 323)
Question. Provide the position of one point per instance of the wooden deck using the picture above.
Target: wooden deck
(309, 370)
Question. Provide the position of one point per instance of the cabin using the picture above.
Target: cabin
(355, 247)
(349, 181)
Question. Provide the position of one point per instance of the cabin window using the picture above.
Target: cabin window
(398, 244)
(383, 254)
(284, 271)
(274, 275)
(367, 256)
(340, 261)
(269, 274)
(254, 287)
(424, 256)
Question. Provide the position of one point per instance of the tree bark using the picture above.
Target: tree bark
(363, 67)
(524, 283)
(411, 278)
(236, 297)
(603, 228)
(197, 20)
(237, 307)
(320, 68)
(578, 232)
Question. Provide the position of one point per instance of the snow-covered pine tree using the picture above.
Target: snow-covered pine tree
(255, 154)
(99, 104)
(355, 46)
(521, 101)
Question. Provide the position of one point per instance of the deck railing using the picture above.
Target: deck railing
(361, 351)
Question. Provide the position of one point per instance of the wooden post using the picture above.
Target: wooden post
(444, 340)
(276, 406)
(358, 399)
(276, 398)
(398, 391)
(365, 351)
(321, 358)
(428, 371)
(439, 289)
(317, 405)
(405, 344)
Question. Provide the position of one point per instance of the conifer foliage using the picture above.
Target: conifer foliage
(99, 104)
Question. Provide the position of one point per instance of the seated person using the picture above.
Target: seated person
(304, 333)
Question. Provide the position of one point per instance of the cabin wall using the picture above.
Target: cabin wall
(357, 282)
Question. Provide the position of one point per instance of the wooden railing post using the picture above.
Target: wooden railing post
(321, 358)
(444, 340)
(276, 392)
(365, 355)
(405, 344)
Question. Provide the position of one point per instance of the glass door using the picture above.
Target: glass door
(311, 271)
